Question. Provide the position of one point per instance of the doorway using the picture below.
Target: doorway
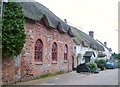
(73, 63)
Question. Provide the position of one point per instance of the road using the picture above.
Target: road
(106, 77)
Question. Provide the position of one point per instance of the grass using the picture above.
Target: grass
(47, 75)
(51, 74)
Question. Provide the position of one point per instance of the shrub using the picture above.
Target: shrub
(92, 66)
(116, 56)
(101, 61)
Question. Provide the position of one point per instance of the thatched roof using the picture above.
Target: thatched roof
(85, 40)
(78, 39)
(101, 54)
(104, 45)
(36, 11)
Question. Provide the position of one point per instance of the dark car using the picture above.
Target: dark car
(82, 68)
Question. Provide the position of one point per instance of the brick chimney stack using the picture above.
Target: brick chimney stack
(65, 20)
(91, 33)
(105, 43)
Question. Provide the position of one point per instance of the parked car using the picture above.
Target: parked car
(82, 68)
(110, 65)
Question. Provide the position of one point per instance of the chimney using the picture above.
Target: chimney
(91, 33)
(105, 43)
(65, 20)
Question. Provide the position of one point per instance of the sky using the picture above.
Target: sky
(100, 16)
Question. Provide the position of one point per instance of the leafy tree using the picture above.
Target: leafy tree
(117, 56)
(13, 36)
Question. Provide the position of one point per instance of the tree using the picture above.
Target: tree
(13, 36)
(117, 56)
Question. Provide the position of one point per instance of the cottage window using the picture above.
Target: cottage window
(66, 52)
(38, 51)
(54, 52)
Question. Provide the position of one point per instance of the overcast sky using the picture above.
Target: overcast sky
(100, 16)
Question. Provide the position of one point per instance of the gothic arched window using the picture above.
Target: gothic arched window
(66, 52)
(54, 52)
(38, 51)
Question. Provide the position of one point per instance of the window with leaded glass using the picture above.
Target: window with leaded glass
(54, 52)
(66, 52)
(38, 51)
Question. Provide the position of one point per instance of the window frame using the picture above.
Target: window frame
(38, 52)
(65, 52)
(54, 52)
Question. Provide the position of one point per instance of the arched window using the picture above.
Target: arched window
(66, 52)
(54, 52)
(38, 51)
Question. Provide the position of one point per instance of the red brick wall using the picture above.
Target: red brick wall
(8, 70)
(36, 31)
(28, 66)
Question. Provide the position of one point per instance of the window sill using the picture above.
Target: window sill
(38, 63)
(54, 62)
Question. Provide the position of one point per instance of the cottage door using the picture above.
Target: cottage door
(87, 59)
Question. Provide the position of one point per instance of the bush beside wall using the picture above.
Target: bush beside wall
(93, 66)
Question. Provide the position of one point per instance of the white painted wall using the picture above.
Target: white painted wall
(92, 58)
(81, 50)
(107, 52)
(75, 51)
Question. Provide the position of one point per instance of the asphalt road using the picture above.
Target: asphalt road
(106, 77)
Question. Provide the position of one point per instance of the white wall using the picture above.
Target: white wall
(95, 51)
(75, 51)
(107, 52)
(81, 50)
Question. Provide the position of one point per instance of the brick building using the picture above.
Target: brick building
(48, 46)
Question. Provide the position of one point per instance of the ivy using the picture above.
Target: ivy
(13, 36)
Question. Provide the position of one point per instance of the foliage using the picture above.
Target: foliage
(51, 74)
(13, 36)
(92, 66)
(46, 75)
(59, 73)
(101, 61)
(116, 56)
